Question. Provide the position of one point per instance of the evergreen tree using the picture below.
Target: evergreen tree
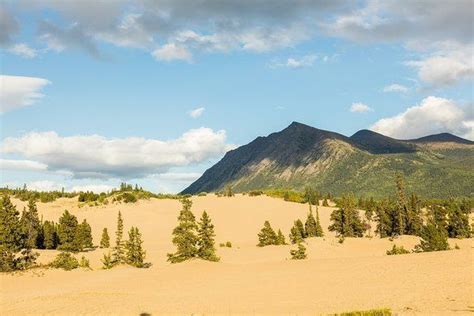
(185, 238)
(414, 222)
(118, 255)
(311, 196)
(107, 261)
(400, 212)
(299, 253)
(267, 235)
(31, 225)
(135, 255)
(319, 228)
(228, 191)
(50, 235)
(458, 221)
(297, 232)
(433, 237)
(325, 202)
(383, 220)
(84, 236)
(206, 243)
(346, 220)
(105, 240)
(67, 230)
(280, 238)
(12, 237)
(310, 225)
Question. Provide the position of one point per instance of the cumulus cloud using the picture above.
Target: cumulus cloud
(23, 50)
(96, 188)
(395, 87)
(196, 112)
(295, 62)
(433, 115)
(126, 158)
(171, 52)
(359, 107)
(17, 92)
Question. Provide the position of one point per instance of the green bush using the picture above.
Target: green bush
(84, 263)
(202, 194)
(228, 244)
(65, 261)
(397, 251)
(129, 197)
(372, 312)
(299, 253)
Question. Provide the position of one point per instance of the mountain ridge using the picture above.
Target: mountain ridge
(301, 155)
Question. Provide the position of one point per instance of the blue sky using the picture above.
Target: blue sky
(91, 98)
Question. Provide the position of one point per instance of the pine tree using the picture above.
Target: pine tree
(67, 232)
(105, 240)
(107, 261)
(296, 232)
(12, 237)
(206, 243)
(267, 235)
(458, 221)
(135, 255)
(185, 238)
(299, 253)
(414, 222)
(84, 236)
(433, 238)
(325, 202)
(346, 220)
(118, 255)
(31, 225)
(383, 220)
(50, 235)
(280, 238)
(400, 211)
(319, 229)
(310, 225)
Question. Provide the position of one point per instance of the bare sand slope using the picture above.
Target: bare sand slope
(336, 277)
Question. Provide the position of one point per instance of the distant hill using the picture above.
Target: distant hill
(365, 163)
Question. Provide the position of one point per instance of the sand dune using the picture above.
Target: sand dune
(355, 275)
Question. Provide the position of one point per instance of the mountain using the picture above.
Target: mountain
(365, 163)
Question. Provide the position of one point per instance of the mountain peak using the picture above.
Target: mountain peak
(442, 138)
(380, 144)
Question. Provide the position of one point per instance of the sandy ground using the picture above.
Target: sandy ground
(355, 275)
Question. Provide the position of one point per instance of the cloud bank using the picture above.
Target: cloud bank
(17, 92)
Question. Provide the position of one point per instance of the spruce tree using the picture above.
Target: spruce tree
(135, 255)
(458, 221)
(206, 244)
(267, 235)
(296, 232)
(118, 255)
(280, 238)
(319, 229)
(12, 237)
(31, 225)
(184, 235)
(383, 220)
(299, 253)
(310, 225)
(50, 235)
(67, 230)
(84, 236)
(105, 240)
(433, 238)
(400, 211)
(107, 261)
(345, 220)
(414, 222)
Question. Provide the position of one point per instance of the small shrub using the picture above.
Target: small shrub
(372, 312)
(397, 251)
(84, 263)
(65, 261)
(456, 246)
(222, 245)
(129, 197)
(255, 193)
(202, 194)
(341, 239)
(228, 244)
(299, 253)
(107, 262)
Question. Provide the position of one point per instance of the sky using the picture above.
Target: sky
(94, 93)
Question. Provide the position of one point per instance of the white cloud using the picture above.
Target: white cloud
(359, 107)
(305, 61)
(395, 87)
(196, 112)
(449, 64)
(99, 157)
(43, 185)
(17, 92)
(172, 51)
(433, 115)
(10, 164)
(9, 26)
(23, 50)
(179, 176)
